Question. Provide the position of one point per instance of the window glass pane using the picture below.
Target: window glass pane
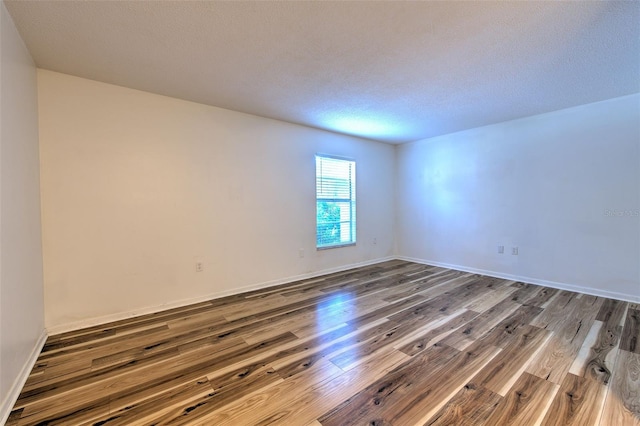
(335, 201)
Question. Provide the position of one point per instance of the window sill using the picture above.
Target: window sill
(336, 246)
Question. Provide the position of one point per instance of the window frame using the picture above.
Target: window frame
(351, 200)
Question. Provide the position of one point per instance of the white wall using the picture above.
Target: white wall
(136, 187)
(21, 290)
(542, 183)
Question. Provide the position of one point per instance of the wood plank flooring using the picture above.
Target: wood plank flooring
(396, 343)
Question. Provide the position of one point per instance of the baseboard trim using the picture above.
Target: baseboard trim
(553, 284)
(14, 392)
(91, 322)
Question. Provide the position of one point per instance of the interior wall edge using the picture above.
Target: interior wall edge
(90, 322)
(529, 280)
(12, 396)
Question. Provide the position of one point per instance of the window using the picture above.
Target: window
(335, 202)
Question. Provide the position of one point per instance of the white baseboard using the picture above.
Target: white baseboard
(90, 322)
(553, 284)
(18, 383)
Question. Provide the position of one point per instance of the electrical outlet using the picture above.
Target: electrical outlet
(375, 241)
(199, 267)
(501, 249)
(301, 253)
(514, 251)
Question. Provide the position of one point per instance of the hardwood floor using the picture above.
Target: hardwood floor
(395, 343)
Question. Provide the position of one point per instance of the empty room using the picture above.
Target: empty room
(319, 213)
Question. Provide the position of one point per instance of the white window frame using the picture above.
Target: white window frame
(343, 226)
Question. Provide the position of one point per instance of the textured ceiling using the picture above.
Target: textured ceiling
(389, 71)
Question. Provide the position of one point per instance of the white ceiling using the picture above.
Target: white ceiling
(388, 71)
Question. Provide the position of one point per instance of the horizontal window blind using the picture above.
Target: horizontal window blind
(335, 201)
